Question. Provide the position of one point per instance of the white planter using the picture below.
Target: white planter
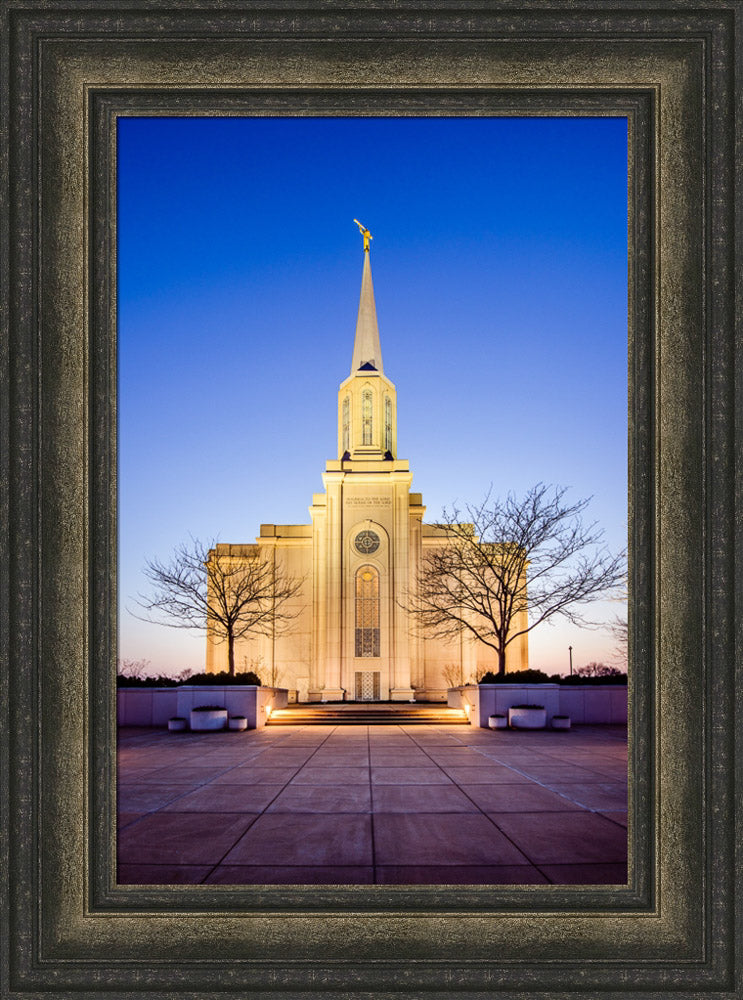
(177, 725)
(497, 722)
(214, 719)
(561, 722)
(238, 722)
(527, 718)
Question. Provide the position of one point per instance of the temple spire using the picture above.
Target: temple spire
(367, 354)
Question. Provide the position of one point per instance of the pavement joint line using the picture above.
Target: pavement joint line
(160, 808)
(545, 875)
(488, 818)
(554, 790)
(530, 778)
(204, 784)
(371, 810)
(262, 813)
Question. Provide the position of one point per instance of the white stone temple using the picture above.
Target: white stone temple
(351, 638)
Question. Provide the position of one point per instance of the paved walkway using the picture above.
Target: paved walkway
(373, 804)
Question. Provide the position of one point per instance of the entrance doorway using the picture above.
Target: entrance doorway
(367, 685)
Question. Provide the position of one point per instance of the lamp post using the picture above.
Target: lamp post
(570, 651)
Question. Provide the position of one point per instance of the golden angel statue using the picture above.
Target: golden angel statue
(365, 233)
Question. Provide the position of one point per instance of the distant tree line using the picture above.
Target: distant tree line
(592, 673)
(186, 677)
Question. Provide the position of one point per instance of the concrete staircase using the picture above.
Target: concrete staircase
(368, 714)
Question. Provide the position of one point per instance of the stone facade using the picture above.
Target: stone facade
(350, 638)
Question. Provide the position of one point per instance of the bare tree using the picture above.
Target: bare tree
(270, 675)
(230, 590)
(619, 628)
(132, 668)
(476, 582)
(454, 675)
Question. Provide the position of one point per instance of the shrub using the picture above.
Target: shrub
(123, 680)
(540, 707)
(225, 678)
(540, 677)
(208, 708)
(516, 677)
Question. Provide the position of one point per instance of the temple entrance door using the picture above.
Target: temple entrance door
(367, 685)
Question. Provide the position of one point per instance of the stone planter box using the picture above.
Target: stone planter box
(561, 722)
(498, 722)
(238, 723)
(586, 705)
(177, 725)
(203, 721)
(531, 717)
(154, 706)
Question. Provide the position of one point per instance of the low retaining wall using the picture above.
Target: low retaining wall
(154, 706)
(593, 705)
(146, 706)
(583, 703)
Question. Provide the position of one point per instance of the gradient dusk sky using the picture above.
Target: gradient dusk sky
(500, 273)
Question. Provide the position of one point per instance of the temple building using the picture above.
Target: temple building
(350, 638)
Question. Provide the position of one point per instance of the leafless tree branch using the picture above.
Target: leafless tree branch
(212, 586)
(503, 559)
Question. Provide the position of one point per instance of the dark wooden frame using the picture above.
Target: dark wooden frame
(69, 69)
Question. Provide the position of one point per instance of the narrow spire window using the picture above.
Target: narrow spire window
(367, 611)
(366, 417)
(346, 422)
(387, 424)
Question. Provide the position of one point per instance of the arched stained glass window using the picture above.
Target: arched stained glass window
(346, 425)
(387, 424)
(367, 611)
(366, 417)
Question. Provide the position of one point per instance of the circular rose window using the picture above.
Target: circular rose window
(366, 542)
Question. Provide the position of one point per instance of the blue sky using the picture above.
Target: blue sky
(500, 272)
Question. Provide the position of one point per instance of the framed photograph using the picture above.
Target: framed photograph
(75, 74)
(499, 294)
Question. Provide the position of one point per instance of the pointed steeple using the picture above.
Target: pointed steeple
(367, 402)
(367, 354)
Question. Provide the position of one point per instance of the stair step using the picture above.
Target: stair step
(367, 715)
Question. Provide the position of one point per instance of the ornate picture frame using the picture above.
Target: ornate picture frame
(69, 71)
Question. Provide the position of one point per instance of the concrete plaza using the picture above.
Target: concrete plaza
(378, 804)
